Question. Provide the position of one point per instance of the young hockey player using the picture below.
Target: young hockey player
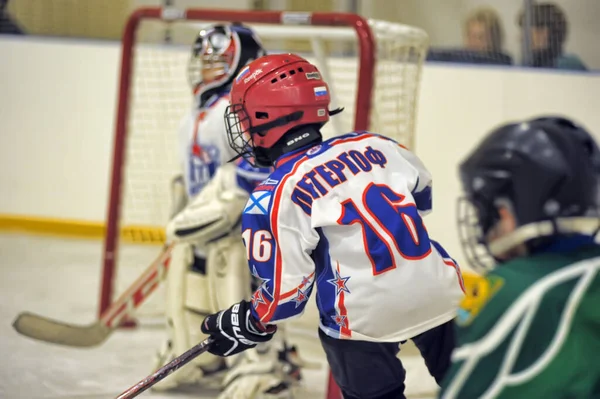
(531, 206)
(342, 216)
(208, 266)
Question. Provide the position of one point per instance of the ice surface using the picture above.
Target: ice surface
(59, 278)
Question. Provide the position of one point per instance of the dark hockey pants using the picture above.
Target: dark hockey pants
(372, 370)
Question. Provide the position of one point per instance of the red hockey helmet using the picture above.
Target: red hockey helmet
(269, 97)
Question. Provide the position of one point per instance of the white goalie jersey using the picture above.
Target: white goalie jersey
(204, 148)
(216, 190)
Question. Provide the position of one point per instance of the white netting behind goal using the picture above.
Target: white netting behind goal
(160, 97)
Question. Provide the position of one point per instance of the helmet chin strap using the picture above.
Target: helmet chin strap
(547, 228)
(336, 111)
(261, 130)
(284, 120)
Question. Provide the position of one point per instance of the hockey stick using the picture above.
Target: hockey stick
(167, 369)
(49, 330)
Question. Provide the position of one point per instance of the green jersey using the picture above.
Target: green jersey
(532, 331)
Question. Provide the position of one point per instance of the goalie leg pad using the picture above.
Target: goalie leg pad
(257, 374)
(187, 302)
(269, 371)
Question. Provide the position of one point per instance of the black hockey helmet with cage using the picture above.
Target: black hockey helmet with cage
(537, 168)
(225, 47)
(568, 126)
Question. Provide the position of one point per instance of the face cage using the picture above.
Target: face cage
(210, 54)
(198, 63)
(237, 123)
(194, 71)
(472, 238)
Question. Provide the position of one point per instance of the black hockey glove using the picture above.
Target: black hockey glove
(235, 330)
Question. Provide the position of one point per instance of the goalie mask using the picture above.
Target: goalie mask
(276, 96)
(542, 173)
(218, 54)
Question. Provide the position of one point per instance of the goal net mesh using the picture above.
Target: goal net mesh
(159, 97)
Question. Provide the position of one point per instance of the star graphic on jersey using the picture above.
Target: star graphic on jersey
(340, 283)
(305, 282)
(257, 299)
(263, 281)
(339, 320)
(300, 297)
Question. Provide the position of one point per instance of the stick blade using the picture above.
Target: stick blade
(48, 330)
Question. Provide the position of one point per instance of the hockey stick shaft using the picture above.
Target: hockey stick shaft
(48, 330)
(139, 291)
(167, 369)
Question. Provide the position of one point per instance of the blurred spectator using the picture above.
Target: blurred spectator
(547, 38)
(483, 31)
(7, 25)
(484, 37)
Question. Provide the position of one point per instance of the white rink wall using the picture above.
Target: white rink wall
(57, 107)
(58, 102)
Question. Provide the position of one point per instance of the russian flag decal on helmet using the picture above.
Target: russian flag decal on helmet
(320, 91)
(242, 73)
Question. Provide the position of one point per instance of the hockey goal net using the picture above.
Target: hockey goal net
(372, 67)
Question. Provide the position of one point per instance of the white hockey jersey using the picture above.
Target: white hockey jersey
(345, 216)
(203, 148)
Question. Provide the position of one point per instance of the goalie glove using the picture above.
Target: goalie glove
(213, 214)
(234, 330)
